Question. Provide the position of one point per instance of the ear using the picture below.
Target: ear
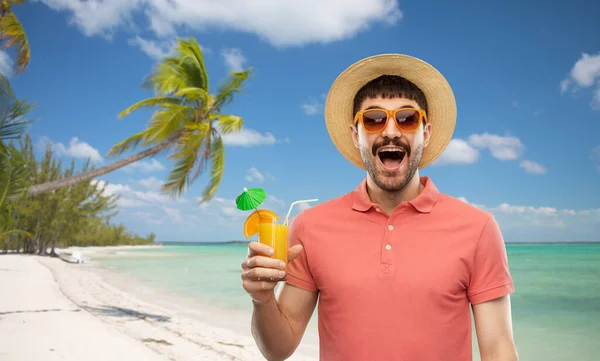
(426, 134)
(354, 134)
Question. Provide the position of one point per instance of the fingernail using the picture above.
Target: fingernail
(281, 274)
(281, 264)
(271, 251)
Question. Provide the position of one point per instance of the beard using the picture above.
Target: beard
(389, 181)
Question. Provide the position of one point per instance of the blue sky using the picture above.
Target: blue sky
(526, 78)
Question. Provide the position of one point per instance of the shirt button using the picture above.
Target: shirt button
(388, 247)
(390, 227)
(377, 209)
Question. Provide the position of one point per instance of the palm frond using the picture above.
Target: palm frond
(184, 69)
(190, 50)
(12, 31)
(150, 103)
(12, 112)
(13, 178)
(167, 77)
(204, 158)
(217, 159)
(167, 122)
(129, 143)
(229, 123)
(193, 94)
(187, 153)
(229, 88)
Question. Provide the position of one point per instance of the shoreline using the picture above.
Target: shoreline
(169, 326)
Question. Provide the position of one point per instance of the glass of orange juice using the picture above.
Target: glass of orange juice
(271, 233)
(275, 236)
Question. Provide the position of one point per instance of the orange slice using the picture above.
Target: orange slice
(254, 219)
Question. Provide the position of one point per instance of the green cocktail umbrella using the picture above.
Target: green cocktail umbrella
(250, 199)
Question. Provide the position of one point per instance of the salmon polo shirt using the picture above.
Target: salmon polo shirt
(398, 286)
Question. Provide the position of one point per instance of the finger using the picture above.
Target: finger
(257, 248)
(251, 286)
(294, 252)
(259, 273)
(262, 261)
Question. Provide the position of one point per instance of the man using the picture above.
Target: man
(394, 264)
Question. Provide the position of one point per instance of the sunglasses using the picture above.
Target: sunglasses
(406, 119)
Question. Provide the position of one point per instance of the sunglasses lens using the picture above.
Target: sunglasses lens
(408, 119)
(374, 120)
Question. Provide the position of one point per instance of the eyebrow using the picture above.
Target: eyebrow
(380, 107)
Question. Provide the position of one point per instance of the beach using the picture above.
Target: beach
(185, 302)
(54, 310)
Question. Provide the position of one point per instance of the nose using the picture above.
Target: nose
(391, 131)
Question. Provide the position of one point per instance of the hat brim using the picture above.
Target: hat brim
(441, 103)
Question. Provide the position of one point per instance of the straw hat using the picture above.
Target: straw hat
(440, 102)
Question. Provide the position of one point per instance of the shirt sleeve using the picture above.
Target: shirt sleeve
(490, 274)
(298, 270)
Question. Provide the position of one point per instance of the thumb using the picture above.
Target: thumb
(294, 252)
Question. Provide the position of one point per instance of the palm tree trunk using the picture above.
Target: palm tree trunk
(67, 182)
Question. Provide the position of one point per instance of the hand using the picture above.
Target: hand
(261, 272)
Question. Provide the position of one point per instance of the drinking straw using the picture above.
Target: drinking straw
(287, 217)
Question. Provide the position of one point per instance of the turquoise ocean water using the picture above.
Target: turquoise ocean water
(556, 306)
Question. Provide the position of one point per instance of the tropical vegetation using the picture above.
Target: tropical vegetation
(78, 215)
(12, 34)
(188, 124)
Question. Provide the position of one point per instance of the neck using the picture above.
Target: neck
(390, 200)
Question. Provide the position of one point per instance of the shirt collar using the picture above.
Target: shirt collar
(423, 203)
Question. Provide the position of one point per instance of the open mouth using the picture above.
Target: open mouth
(391, 158)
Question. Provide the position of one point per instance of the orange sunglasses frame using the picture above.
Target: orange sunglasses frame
(391, 113)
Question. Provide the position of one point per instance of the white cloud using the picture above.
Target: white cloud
(312, 107)
(254, 174)
(174, 214)
(6, 64)
(132, 197)
(507, 208)
(503, 148)
(282, 23)
(155, 49)
(109, 188)
(151, 183)
(536, 222)
(234, 59)
(585, 73)
(98, 17)
(275, 201)
(76, 149)
(532, 167)
(248, 138)
(144, 166)
(458, 152)
(473, 204)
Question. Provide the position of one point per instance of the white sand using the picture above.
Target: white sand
(53, 310)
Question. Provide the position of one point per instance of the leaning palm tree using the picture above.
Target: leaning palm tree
(12, 32)
(188, 123)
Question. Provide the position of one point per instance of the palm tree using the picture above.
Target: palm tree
(188, 123)
(14, 175)
(12, 31)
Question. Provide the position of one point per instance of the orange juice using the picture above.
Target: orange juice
(275, 236)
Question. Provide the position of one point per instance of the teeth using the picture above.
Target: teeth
(392, 150)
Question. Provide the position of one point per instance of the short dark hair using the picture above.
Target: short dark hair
(390, 86)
